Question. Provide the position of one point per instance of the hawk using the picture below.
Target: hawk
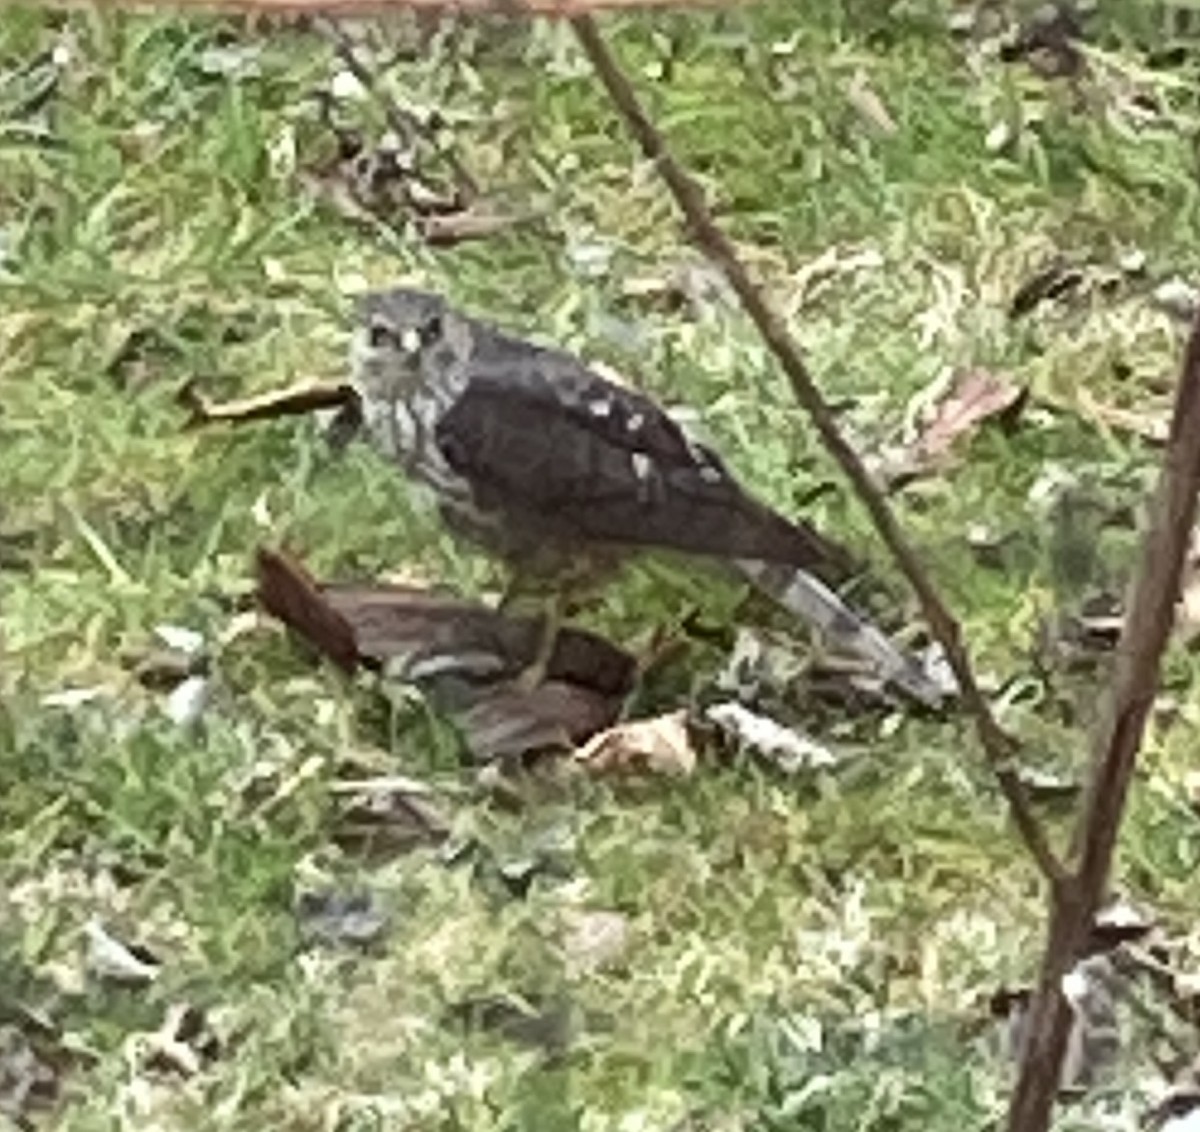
(538, 458)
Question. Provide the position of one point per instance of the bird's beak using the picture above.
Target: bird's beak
(410, 343)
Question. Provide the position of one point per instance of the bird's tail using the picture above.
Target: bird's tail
(812, 601)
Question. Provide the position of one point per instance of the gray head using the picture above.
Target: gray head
(406, 339)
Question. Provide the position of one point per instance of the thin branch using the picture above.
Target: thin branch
(1148, 621)
(359, 9)
(710, 239)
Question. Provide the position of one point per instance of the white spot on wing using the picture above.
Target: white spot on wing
(600, 408)
(642, 465)
(635, 422)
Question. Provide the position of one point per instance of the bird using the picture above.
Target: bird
(562, 472)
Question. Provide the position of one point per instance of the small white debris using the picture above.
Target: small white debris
(345, 86)
(780, 746)
(1177, 298)
(260, 512)
(1132, 261)
(187, 701)
(109, 958)
(180, 639)
(72, 697)
(998, 137)
(1187, 1122)
(61, 55)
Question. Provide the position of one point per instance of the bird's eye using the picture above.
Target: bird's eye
(431, 329)
(380, 335)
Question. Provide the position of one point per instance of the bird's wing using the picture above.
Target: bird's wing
(541, 433)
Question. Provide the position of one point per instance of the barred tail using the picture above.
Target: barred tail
(812, 601)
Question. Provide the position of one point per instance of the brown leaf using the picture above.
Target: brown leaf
(427, 629)
(288, 591)
(464, 655)
(385, 816)
(976, 396)
(661, 745)
(555, 716)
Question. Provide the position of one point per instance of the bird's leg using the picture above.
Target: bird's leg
(534, 674)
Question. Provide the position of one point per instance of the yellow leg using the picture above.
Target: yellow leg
(534, 674)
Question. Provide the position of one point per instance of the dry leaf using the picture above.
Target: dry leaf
(385, 816)
(332, 916)
(661, 745)
(555, 716)
(975, 397)
(108, 958)
(760, 735)
(867, 102)
(593, 939)
(184, 1044)
(464, 655)
(29, 1082)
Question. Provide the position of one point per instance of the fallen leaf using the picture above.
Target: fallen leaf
(867, 102)
(28, 1082)
(331, 916)
(110, 959)
(661, 745)
(554, 716)
(593, 939)
(184, 1044)
(778, 746)
(461, 654)
(976, 396)
(1115, 924)
(1177, 298)
(185, 703)
(288, 591)
(385, 816)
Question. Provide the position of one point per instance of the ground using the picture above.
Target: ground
(797, 953)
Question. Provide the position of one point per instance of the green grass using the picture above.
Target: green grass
(800, 955)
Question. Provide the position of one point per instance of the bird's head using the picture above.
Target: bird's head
(407, 339)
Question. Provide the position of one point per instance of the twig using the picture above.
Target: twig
(999, 747)
(359, 9)
(293, 401)
(1153, 594)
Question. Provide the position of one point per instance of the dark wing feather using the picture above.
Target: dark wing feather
(541, 434)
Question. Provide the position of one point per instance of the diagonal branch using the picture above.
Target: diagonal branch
(999, 746)
(1148, 621)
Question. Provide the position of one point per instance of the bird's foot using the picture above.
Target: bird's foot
(533, 675)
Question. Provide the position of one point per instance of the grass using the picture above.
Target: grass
(799, 956)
